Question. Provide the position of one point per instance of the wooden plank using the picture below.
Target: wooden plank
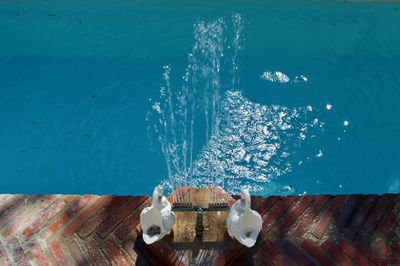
(182, 244)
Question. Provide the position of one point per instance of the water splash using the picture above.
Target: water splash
(237, 45)
(185, 118)
(209, 133)
(276, 76)
(280, 77)
(254, 144)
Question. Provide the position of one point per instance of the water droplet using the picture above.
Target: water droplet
(328, 106)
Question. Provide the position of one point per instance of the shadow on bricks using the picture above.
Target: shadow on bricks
(297, 230)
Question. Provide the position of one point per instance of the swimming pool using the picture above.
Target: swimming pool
(77, 81)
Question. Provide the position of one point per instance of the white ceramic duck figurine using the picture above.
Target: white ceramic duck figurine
(158, 219)
(243, 223)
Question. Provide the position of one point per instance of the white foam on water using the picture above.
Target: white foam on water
(280, 77)
(253, 145)
(275, 76)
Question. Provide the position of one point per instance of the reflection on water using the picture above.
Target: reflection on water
(254, 143)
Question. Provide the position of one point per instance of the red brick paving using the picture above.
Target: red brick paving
(37, 253)
(336, 253)
(316, 253)
(101, 230)
(352, 252)
(111, 222)
(328, 216)
(110, 206)
(273, 254)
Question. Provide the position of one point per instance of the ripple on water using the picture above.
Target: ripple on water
(253, 144)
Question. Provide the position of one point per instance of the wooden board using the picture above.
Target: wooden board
(213, 221)
(183, 246)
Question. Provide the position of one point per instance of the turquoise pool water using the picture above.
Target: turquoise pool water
(77, 81)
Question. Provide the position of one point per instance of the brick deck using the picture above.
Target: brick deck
(100, 230)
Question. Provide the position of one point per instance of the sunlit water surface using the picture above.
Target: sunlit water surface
(309, 104)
